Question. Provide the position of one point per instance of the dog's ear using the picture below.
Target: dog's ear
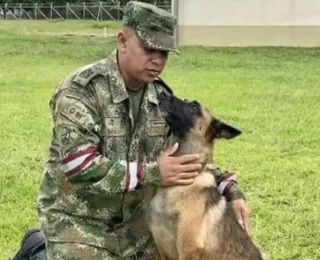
(223, 130)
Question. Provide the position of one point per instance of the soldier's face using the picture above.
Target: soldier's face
(143, 64)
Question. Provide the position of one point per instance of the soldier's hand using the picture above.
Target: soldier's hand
(179, 170)
(243, 214)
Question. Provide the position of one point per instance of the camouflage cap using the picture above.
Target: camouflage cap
(154, 26)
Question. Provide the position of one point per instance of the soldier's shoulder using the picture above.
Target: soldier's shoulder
(81, 77)
(162, 86)
(74, 85)
(86, 74)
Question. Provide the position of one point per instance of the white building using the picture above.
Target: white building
(248, 22)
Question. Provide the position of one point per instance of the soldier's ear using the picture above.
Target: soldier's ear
(122, 41)
(223, 130)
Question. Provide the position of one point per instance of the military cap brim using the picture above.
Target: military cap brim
(153, 26)
(157, 41)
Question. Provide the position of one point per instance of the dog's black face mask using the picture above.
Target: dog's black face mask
(181, 116)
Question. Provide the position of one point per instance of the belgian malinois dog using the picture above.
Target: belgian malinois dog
(195, 222)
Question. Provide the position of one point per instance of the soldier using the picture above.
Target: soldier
(106, 146)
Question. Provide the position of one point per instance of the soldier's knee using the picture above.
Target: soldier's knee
(56, 250)
(76, 251)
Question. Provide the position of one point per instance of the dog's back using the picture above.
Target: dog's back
(230, 241)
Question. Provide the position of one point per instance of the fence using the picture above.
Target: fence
(84, 11)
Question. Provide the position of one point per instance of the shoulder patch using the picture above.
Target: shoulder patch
(161, 82)
(67, 134)
(76, 113)
(86, 74)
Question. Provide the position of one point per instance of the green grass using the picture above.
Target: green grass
(59, 27)
(271, 94)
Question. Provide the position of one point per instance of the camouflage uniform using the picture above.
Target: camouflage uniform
(100, 158)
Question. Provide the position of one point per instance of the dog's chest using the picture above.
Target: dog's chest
(162, 218)
(161, 210)
(168, 206)
(164, 208)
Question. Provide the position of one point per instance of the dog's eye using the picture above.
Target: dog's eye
(194, 107)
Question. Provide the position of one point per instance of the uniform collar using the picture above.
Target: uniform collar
(152, 94)
(117, 85)
(118, 88)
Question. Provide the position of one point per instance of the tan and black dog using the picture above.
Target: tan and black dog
(195, 222)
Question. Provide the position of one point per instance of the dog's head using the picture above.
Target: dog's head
(187, 118)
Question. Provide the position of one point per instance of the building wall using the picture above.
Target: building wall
(248, 22)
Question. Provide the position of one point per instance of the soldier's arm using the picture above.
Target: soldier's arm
(76, 140)
(227, 183)
(75, 146)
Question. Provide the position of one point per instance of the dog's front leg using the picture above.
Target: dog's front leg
(161, 254)
(196, 254)
(190, 239)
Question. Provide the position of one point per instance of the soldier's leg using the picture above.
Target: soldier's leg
(146, 256)
(75, 251)
(149, 252)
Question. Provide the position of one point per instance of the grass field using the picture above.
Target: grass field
(271, 94)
